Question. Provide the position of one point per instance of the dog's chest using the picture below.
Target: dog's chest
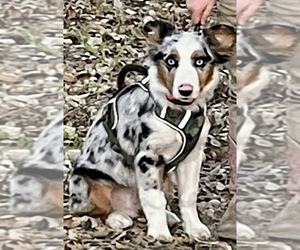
(139, 127)
(163, 140)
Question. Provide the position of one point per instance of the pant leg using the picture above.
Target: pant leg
(284, 11)
(289, 12)
(227, 14)
(227, 11)
(293, 132)
(227, 226)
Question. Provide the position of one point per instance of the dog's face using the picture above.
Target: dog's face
(185, 64)
(258, 50)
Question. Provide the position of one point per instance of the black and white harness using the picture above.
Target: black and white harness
(188, 124)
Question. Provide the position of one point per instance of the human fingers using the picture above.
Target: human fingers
(206, 13)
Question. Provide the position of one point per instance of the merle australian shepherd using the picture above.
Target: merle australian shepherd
(152, 131)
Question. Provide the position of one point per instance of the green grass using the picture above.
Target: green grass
(76, 140)
(37, 40)
(83, 39)
(24, 142)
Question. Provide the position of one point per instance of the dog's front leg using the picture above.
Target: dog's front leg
(149, 172)
(187, 178)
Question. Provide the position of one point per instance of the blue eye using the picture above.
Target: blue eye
(171, 62)
(199, 63)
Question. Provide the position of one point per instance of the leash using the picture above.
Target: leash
(199, 29)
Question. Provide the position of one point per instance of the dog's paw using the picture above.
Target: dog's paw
(162, 235)
(198, 232)
(118, 221)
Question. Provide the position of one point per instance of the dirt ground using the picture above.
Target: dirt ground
(100, 38)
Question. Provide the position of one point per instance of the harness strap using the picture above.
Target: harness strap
(111, 118)
(188, 124)
(113, 102)
(128, 159)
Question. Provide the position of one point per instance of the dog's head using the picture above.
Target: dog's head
(184, 65)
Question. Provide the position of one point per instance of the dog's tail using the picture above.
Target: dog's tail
(129, 68)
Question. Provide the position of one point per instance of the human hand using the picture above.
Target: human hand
(246, 9)
(200, 9)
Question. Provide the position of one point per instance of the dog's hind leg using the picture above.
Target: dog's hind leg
(79, 202)
(149, 171)
(100, 197)
(126, 206)
(89, 196)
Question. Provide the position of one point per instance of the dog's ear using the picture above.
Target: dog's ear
(222, 40)
(157, 30)
(275, 42)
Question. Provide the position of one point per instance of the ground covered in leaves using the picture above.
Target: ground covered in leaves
(99, 38)
(31, 70)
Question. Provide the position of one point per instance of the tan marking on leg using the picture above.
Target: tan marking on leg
(168, 188)
(54, 193)
(100, 195)
(126, 200)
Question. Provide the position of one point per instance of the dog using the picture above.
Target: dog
(151, 131)
(36, 187)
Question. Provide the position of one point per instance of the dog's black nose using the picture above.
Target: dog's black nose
(185, 89)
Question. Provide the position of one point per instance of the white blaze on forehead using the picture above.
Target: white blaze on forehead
(186, 72)
(188, 44)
